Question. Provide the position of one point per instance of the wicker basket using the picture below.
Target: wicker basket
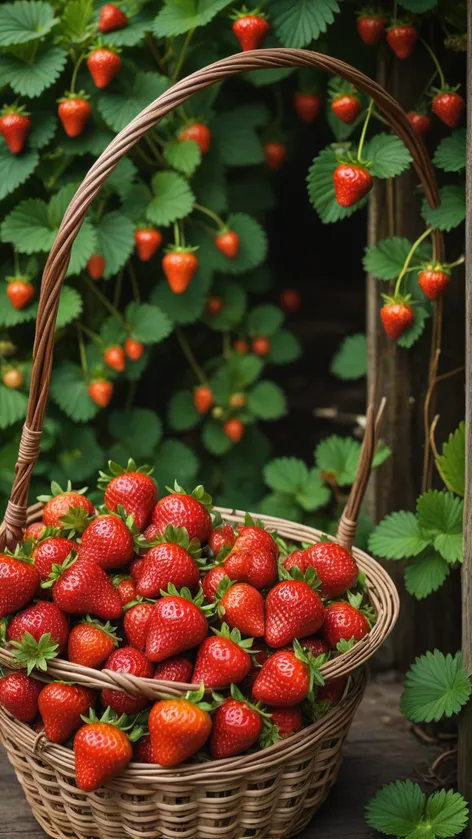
(270, 794)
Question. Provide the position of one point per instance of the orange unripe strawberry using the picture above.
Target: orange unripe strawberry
(133, 349)
(96, 266)
(101, 392)
(147, 240)
(234, 429)
(20, 292)
(261, 346)
(200, 133)
(13, 379)
(114, 357)
(203, 399)
(179, 266)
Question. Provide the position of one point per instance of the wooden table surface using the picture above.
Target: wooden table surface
(380, 749)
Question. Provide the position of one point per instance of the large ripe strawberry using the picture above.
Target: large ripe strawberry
(275, 154)
(252, 535)
(135, 567)
(126, 588)
(199, 133)
(147, 240)
(100, 392)
(241, 606)
(51, 551)
(136, 624)
(111, 18)
(20, 292)
(91, 643)
(203, 399)
(307, 106)
(178, 728)
(237, 725)
(176, 669)
(222, 659)
(402, 38)
(396, 315)
(343, 622)
(227, 241)
(134, 350)
(96, 266)
(19, 582)
(62, 706)
(221, 537)
(250, 29)
(104, 64)
(59, 504)
(352, 183)
(132, 661)
(256, 566)
(287, 721)
(211, 581)
(234, 429)
(433, 281)
(286, 678)
(108, 541)
(38, 633)
(335, 567)
(19, 695)
(179, 266)
(132, 488)
(102, 751)
(167, 563)
(34, 531)
(83, 587)
(74, 111)
(15, 125)
(177, 624)
(114, 357)
(143, 750)
(420, 122)
(183, 510)
(347, 107)
(449, 106)
(371, 27)
(293, 610)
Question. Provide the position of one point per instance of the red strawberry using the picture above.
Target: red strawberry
(448, 106)
(34, 531)
(211, 581)
(100, 391)
(61, 706)
(433, 281)
(143, 750)
(136, 624)
(222, 659)
(133, 349)
(420, 122)
(178, 729)
(83, 587)
(147, 240)
(179, 266)
(307, 106)
(293, 610)
(49, 552)
(252, 536)
(111, 18)
(241, 606)
(136, 565)
(132, 488)
(91, 643)
(396, 316)
(108, 541)
(200, 133)
(234, 429)
(315, 646)
(19, 582)
(15, 125)
(102, 751)
(214, 306)
(283, 680)
(351, 183)
(59, 504)
(335, 567)
(126, 588)
(20, 292)
(177, 624)
(114, 357)
(104, 64)
(167, 563)
(176, 669)
(371, 28)
(275, 154)
(332, 691)
(132, 661)
(19, 695)
(250, 30)
(203, 399)
(237, 725)
(261, 346)
(258, 567)
(182, 510)
(402, 39)
(343, 621)
(222, 537)
(241, 347)
(73, 111)
(290, 300)
(228, 243)
(38, 633)
(96, 266)
(12, 379)
(287, 720)
(346, 107)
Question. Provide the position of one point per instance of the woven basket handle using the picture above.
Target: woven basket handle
(58, 261)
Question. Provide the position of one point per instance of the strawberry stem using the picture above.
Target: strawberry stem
(76, 70)
(177, 234)
(406, 264)
(442, 80)
(211, 215)
(457, 262)
(181, 59)
(82, 353)
(105, 302)
(185, 347)
(364, 130)
(16, 262)
(134, 281)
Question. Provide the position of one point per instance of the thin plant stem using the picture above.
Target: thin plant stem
(185, 347)
(177, 234)
(118, 287)
(131, 394)
(457, 262)
(411, 253)
(76, 70)
(82, 354)
(148, 160)
(216, 218)
(364, 130)
(153, 48)
(90, 334)
(442, 80)
(181, 58)
(134, 282)
(104, 301)
(16, 263)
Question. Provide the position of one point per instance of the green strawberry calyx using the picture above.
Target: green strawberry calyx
(179, 536)
(22, 552)
(197, 600)
(132, 726)
(235, 636)
(56, 490)
(115, 469)
(199, 494)
(223, 587)
(71, 95)
(310, 577)
(245, 12)
(34, 654)
(58, 570)
(107, 628)
(75, 521)
(398, 299)
(313, 664)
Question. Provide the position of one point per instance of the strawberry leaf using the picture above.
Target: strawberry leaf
(137, 91)
(264, 320)
(350, 361)
(181, 412)
(451, 211)
(147, 323)
(122, 177)
(75, 20)
(131, 35)
(398, 536)
(415, 331)
(297, 24)
(385, 259)
(290, 476)
(440, 516)
(43, 130)
(284, 347)
(234, 306)
(450, 154)
(9, 316)
(173, 199)
(425, 573)
(175, 460)
(235, 135)
(184, 155)
(69, 391)
(321, 189)
(138, 430)
(451, 463)
(397, 809)
(24, 21)
(80, 454)
(115, 241)
(388, 155)
(446, 812)
(12, 406)
(339, 457)
(177, 18)
(70, 306)
(209, 184)
(32, 78)
(182, 308)
(214, 439)
(436, 686)
(15, 169)
(282, 505)
(252, 245)
(267, 401)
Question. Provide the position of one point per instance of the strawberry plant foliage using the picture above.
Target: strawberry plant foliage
(435, 686)
(402, 809)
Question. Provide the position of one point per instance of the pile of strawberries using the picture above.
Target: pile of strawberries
(166, 590)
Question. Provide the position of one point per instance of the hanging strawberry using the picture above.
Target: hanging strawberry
(352, 182)
(203, 399)
(101, 392)
(114, 357)
(111, 18)
(200, 133)
(396, 315)
(234, 429)
(96, 266)
(147, 240)
(74, 111)
(227, 241)
(250, 28)
(133, 349)
(275, 154)
(13, 379)
(433, 280)
(15, 126)
(448, 105)
(421, 122)
(214, 306)
(20, 292)
(370, 26)
(401, 38)
(307, 106)
(346, 106)
(104, 64)
(179, 266)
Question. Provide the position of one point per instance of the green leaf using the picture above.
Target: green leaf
(209, 184)
(147, 323)
(385, 260)
(173, 199)
(397, 809)
(262, 78)
(179, 16)
(235, 135)
(450, 154)
(44, 128)
(281, 505)
(214, 439)
(418, 6)
(182, 413)
(321, 189)
(234, 306)
(435, 686)
(447, 813)
(451, 211)
(451, 463)
(425, 573)
(184, 155)
(411, 335)
(267, 401)
(388, 155)
(82, 455)
(92, 141)
(25, 20)
(70, 306)
(15, 169)
(290, 476)
(350, 361)
(175, 461)
(12, 406)
(135, 202)
(75, 20)
(252, 246)
(440, 517)
(182, 308)
(284, 347)
(398, 536)
(112, 331)
(69, 391)
(131, 35)
(115, 241)
(139, 90)
(138, 430)
(297, 24)
(9, 316)
(264, 320)
(122, 177)
(31, 79)
(339, 457)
